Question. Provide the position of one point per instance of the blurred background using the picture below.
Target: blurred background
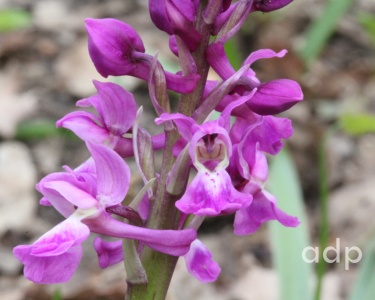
(326, 176)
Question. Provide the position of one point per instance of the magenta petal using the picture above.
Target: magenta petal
(111, 46)
(109, 253)
(117, 107)
(55, 256)
(113, 175)
(275, 97)
(186, 125)
(72, 193)
(263, 53)
(262, 209)
(85, 125)
(64, 205)
(218, 60)
(270, 133)
(267, 6)
(212, 194)
(173, 242)
(200, 264)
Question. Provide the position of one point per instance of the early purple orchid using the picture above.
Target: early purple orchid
(60, 250)
(227, 155)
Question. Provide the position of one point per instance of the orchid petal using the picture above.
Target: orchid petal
(55, 256)
(113, 175)
(109, 253)
(212, 194)
(85, 125)
(262, 209)
(116, 107)
(200, 264)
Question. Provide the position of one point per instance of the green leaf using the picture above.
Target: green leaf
(288, 243)
(234, 55)
(322, 28)
(358, 124)
(13, 19)
(367, 21)
(40, 129)
(364, 286)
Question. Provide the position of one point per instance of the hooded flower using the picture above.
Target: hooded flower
(271, 97)
(211, 192)
(116, 49)
(85, 210)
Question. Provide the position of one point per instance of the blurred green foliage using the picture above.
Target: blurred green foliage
(358, 124)
(14, 19)
(322, 28)
(294, 273)
(367, 21)
(40, 129)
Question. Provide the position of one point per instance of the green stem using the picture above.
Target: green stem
(323, 202)
(159, 267)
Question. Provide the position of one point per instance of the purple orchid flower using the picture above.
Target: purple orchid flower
(116, 49)
(117, 112)
(271, 97)
(211, 192)
(86, 212)
(249, 171)
(176, 18)
(199, 263)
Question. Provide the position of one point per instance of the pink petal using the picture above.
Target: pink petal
(109, 253)
(116, 106)
(113, 175)
(211, 194)
(262, 209)
(55, 256)
(200, 264)
(85, 125)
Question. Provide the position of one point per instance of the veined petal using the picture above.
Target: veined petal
(62, 204)
(109, 253)
(113, 175)
(72, 193)
(116, 107)
(85, 125)
(262, 209)
(200, 264)
(212, 194)
(55, 256)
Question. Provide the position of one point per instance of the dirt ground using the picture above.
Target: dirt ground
(45, 69)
